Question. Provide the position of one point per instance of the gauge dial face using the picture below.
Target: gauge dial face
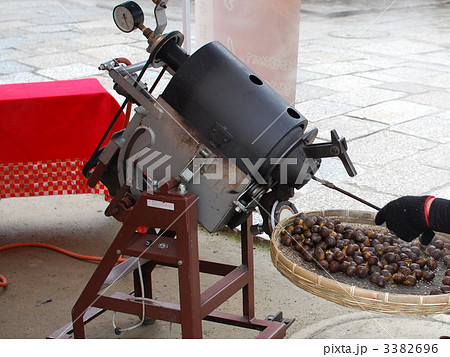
(128, 16)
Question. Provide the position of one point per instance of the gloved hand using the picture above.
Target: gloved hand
(406, 217)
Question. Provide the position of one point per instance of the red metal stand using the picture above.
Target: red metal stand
(176, 245)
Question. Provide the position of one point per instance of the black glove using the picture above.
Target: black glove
(406, 217)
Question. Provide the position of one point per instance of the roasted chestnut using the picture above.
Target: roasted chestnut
(446, 280)
(390, 257)
(418, 274)
(319, 254)
(386, 274)
(432, 263)
(298, 229)
(410, 280)
(436, 292)
(322, 245)
(362, 271)
(374, 269)
(374, 277)
(316, 238)
(308, 223)
(324, 264)
(438, 243)
(286, 240)
(436, 254)
(339, 228)
(416, 250)
(324, 231)
(339, 256)
(398, 278)
(381, 281)
(344, 265)
(447, 260)
(351, 270)
(329, 256)
(334, 266)
(331, 241)
(358, 259)
(428, 275)
(422, 262)
(372, 260)
(307, 255)
(351, 249)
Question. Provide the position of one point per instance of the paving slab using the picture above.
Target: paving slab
(75, 70)
(364, 97)
(317, 109)
(394, 111)
(432, 127)
(349, 127)
(405, 177)
(397, 327)
(345, 82)
(383, 147)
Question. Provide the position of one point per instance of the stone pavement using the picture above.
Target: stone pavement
(377, 71)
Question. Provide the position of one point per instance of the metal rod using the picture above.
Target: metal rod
(334, 187)
(131, 68)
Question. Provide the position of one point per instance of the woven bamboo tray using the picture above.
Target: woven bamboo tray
(352, 295)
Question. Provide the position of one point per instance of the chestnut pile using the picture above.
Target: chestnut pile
(365, 253)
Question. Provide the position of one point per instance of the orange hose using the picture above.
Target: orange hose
(4, 281)
(127, 115)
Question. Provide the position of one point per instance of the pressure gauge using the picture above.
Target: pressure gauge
(128, 16)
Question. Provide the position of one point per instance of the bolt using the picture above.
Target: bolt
(182, 188)
(204, 153)
(155, 185)
(118, 252)
(148, 243)
(334, 150)
(180, 262)
(163, 246)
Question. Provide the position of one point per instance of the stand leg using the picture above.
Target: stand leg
(147, 270)
(89, 294)
(189, 277)
(248, 291)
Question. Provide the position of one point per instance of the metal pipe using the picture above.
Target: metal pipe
(130, 69)
(187, 25)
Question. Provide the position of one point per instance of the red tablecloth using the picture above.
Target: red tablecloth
(48, 131)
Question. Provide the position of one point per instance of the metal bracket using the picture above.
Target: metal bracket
(337, 147)
(220, 135)
(160, 17)
(188, 173)
(278, 317)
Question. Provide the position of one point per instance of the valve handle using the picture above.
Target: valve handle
(337, 147)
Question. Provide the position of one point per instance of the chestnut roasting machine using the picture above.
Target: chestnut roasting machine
(216, 145)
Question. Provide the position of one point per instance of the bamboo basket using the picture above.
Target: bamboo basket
(352, 295)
